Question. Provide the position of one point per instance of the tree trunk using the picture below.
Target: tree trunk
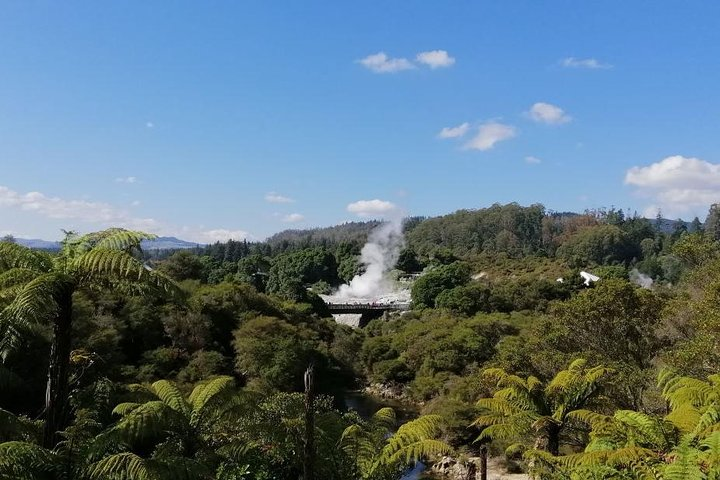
(56, 393)
(553, 440)
(309, 451)
(483, 462)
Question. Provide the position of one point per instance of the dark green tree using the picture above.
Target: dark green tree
(426, 288)
(42, 289)
(712, 222)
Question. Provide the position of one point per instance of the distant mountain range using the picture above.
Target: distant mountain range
(160, 243)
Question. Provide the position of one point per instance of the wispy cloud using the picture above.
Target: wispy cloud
(220, 235)
(150, 125)
(548, 113)
(293, 218)
(80, 210)
(532, 160)
(454, 132)
(381, 63)
(589, 63)
(370, 208)
(489, 134)
(274, 197)
(677, 184)
(83, 214)
(435, 59)
(126, 180)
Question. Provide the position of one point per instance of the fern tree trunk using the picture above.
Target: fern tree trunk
(56, 394)
(309, 453)
(483, 462)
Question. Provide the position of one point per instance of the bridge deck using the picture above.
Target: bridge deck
(366, 307)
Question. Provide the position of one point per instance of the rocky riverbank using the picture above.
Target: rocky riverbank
(387, 392)
(450, 468)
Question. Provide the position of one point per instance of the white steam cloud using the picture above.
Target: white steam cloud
(641, 279)
(378, 256)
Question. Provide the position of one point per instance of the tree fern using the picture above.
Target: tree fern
(523, 410)
(373, 446)
(109, 258)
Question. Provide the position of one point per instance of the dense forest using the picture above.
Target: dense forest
(222, 362)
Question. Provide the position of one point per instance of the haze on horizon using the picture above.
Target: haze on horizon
(242, 120)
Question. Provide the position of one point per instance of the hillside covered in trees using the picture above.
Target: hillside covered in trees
(195, 363)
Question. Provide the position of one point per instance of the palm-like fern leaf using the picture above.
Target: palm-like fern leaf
(123, 240)
(16, 276)
(150, 421)
(169, 393)
(25, 461)
(13, 255)
(121, 466)
(415, 440)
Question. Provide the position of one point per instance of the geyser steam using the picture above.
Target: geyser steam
(640, 278)
(379, 256)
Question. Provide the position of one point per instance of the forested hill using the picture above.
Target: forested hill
(350, 232)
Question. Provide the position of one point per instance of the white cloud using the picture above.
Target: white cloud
(83, 215)
(489, 134)
(381, 63)
(274, 197)
(81, 210)
(150, 125)
(126, 180)
(454, 132)
(677, 184)
(435, 59)
(548, 113)
(532, 160)
(293, 218)
(589, 63)
(370, 208)
(221, 235)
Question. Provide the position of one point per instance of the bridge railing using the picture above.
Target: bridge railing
(367, 306)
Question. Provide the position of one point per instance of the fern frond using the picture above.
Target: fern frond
(13, 427)
(124, 465)
(150, 421)
(415, 440)
(169, 393)
(385, 417)
(123, 240)
(685, 465)
(22, 460)
(13, 255)
(205, 391)
(593, 419)
(122, 270)
(16, 276)
(35, 303)
(685, 417)
(125, 408)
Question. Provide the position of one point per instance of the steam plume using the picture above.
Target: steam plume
(640, 278)
(379, 256)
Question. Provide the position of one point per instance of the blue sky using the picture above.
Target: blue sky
(209, 120)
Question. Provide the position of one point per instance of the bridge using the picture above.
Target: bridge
(367, 308)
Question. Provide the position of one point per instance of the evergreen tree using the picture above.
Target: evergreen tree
(712, 222)
(696, 225)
